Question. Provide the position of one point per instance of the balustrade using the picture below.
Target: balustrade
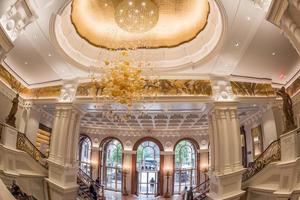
(24, 144)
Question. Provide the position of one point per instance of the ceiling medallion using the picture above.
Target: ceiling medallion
(136, 16)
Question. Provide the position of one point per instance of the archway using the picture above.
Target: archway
(84, 153)
(111, 164)
(185, 166)
(147, 167)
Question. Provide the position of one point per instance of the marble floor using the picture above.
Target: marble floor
(109, 195)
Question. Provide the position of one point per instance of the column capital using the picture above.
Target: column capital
(69, 106)
(68, 91)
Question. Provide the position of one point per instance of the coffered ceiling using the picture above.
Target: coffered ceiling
(248, 46)
(155, 116)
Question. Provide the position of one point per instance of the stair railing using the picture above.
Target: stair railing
(1, 129)
(271, 154)
(88, 181)
(24, 144)
(200, 191)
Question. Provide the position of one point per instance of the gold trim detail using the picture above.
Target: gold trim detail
(252, 89)
(151, 88)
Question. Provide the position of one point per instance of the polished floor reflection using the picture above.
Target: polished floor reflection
(109, 195)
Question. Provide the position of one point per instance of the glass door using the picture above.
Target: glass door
(113, 179)
(147, 182)
(184, 179)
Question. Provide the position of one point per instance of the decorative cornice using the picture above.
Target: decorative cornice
(276, 11)
(138, 133)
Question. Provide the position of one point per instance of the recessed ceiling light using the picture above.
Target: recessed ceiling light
(248, 18)
(237, 44)
(143, 3)
(130, 3)
(274, 54)
(26, 63)
(49, 54)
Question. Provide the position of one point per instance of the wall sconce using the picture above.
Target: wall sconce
(126, 170)
(94, 163)
(168, 175)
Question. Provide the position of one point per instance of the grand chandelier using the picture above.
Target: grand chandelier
(122, 81)
(136, 16)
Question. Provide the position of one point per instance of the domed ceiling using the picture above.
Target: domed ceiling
(119, 24)
(169, 34)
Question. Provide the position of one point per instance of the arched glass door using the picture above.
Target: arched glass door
(147, 165)
(113, 165)
(85, 149)
(185, 166)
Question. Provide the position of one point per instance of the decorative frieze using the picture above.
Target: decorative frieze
(245, 89)
(136, 133)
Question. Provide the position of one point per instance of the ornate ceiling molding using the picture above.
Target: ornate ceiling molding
(152, 120)
(142, 133)
(94, 19)
(196, 52)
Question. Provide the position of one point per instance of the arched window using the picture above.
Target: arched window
(148, 165)
(113, 165)
(185, 166)
(85, 150)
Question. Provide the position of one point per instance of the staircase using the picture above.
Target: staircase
(84, 181)
(84, 191)
(200, 191)
(24, 144)
(19, 195)
(271, 154)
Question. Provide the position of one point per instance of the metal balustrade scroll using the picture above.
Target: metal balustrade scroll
(200, 191)
(271, 154)
(88, 180)
(24, 144)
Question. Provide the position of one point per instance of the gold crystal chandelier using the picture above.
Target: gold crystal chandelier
(122, 81)
(136, 16)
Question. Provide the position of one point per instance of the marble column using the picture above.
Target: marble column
(63, 165)
(226, 157)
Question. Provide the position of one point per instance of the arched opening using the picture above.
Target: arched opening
(147, 165)
(185, 163)
(111, 166)
(85, 151)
